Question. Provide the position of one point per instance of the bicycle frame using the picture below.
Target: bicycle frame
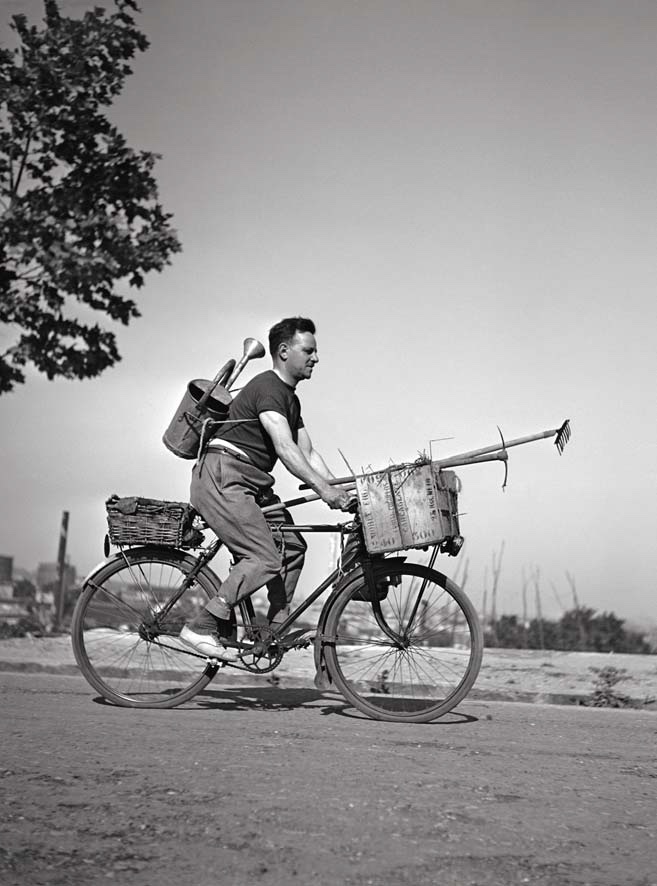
(368, 568)
(128, 647)
(326, 583)
(207, 555)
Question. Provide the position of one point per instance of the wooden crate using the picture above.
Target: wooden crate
(407, 506)
(447, 486)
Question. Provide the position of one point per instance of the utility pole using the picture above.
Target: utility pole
(61, 572)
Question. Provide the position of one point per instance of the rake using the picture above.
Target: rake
(495, 452)
(498, 450)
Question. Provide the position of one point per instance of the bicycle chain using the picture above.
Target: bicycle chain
(266, 656)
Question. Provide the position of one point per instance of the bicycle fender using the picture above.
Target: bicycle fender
(96, 568)
(174, 553)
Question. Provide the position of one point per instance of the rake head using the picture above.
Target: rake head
(563, 436)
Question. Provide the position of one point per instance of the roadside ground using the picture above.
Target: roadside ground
(546, 676)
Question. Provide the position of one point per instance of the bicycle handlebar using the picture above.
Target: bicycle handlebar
(292, 502)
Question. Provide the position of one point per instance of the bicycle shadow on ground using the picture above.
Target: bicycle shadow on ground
(273, 698)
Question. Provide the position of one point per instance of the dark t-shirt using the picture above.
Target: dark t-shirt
(264, 393)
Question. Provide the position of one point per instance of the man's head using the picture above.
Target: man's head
(293, 348)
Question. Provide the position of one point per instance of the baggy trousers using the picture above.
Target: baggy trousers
(224, 491)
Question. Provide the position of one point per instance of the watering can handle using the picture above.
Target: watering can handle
(219, 378)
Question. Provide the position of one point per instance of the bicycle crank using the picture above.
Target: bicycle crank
(265, 654)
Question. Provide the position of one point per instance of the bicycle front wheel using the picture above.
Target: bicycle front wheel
(413, 656)
(125, 630)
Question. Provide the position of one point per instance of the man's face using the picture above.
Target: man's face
(301, 355)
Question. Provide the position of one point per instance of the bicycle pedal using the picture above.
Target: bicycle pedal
(215, 662)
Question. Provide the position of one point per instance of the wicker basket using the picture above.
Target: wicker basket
(409, 506)
(142, 521)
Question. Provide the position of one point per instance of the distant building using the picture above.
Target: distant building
(11, 610)
(6, 569)
(47, 576)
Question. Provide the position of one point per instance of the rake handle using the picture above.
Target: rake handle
(496, 447)
(496, 452)
(447, 462)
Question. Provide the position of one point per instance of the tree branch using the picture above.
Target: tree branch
(30, 275)
(23, 162)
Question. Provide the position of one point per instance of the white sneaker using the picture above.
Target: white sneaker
(208, 644)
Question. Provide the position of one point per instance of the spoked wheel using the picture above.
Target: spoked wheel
(413, 656)
(125, 638)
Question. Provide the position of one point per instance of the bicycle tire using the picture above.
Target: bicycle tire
(122, 649)
(429, 669)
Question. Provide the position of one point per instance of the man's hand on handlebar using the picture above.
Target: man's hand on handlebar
(338, 499)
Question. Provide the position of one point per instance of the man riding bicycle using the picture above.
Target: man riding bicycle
(231, 481)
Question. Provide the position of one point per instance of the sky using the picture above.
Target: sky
(461, 194)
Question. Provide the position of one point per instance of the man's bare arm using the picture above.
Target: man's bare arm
(276, 425)
(313, 457)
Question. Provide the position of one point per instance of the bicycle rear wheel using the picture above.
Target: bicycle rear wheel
(415, 659)
(126, 643)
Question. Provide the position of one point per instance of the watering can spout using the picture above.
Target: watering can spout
(253, 350)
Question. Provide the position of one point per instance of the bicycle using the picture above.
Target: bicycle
(400, 640)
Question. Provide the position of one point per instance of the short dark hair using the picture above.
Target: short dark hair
(286, 329)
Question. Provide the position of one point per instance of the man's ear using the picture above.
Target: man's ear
(283, 349)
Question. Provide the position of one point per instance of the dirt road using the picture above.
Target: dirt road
(275, 786)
